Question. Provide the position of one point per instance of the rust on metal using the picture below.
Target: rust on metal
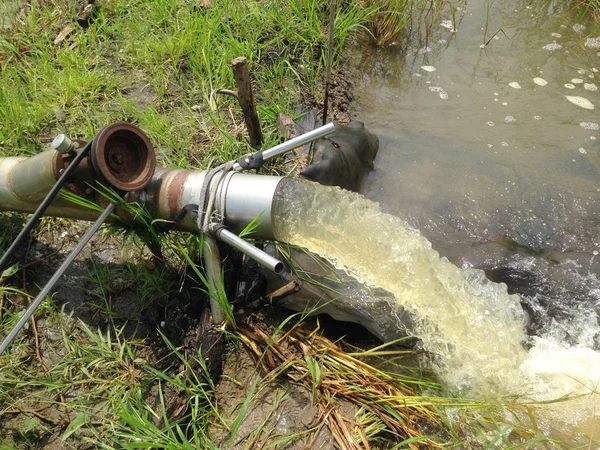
(123, 156)
(173, 188)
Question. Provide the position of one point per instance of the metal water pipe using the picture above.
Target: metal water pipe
(121, 156)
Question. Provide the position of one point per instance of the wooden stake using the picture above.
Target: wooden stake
(246, 100)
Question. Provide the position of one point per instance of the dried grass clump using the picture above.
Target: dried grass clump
(386, 405)
(390, 18)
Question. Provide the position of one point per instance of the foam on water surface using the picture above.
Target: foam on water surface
(582, 102)
(589, 126)
(552, 47)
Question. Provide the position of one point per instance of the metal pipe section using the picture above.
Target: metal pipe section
(34, 219)
(298, 141)
(256, 254)
(212, 264)
(241, 197)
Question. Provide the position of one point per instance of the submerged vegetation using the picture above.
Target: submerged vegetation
(108, 376)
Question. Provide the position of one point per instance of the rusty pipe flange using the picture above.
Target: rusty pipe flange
(123, 156)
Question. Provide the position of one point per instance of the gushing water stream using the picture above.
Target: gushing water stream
(474, 327)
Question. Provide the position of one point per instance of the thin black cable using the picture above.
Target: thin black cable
(34, 219)
(56, 276)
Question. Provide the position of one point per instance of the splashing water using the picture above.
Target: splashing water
(474, 327)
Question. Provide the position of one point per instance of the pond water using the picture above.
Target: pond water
(490, 145)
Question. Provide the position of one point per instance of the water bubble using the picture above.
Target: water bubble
(583, 151)
(576, 81)
(509, 119)
(552, 47)
(441, 91)
(556, 35)
(417, 75)
(495, 93)
(442, 41)
(428, 68)
(590, 87)
(589, 126)
(592, 42)
(504, 144)
(447, 24)
(569, 86)
(581, 71)
(514, 84)
(577, 28)
(490, 123)
(594, 70)
(424, 50)
(582, 102)
(537, 117)
(592, 138)
(490, 145)
(540, 81)
(504, 104)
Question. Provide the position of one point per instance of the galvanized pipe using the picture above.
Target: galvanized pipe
(212, 265)
(241, 197)
(34, 219)
(298, 141)
(248, 249)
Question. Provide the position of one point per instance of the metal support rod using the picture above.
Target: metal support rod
(248, 249)
(34, 219)
(212, 266)
(293, 143)
(59, 272)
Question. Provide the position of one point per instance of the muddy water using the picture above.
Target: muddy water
(465, 156)
(493, 153)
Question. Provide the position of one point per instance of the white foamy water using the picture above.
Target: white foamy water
(582, 102)
(592, 42)
(441, 91)
(474, 327)
(540, 81)
(552, 47)
(471, 326)
(569, 86)
(447, 24)
(590, 87)
(589, 126)
(428, 68)
(515, 85)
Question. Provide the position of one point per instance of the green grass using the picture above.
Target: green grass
(174, 51)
